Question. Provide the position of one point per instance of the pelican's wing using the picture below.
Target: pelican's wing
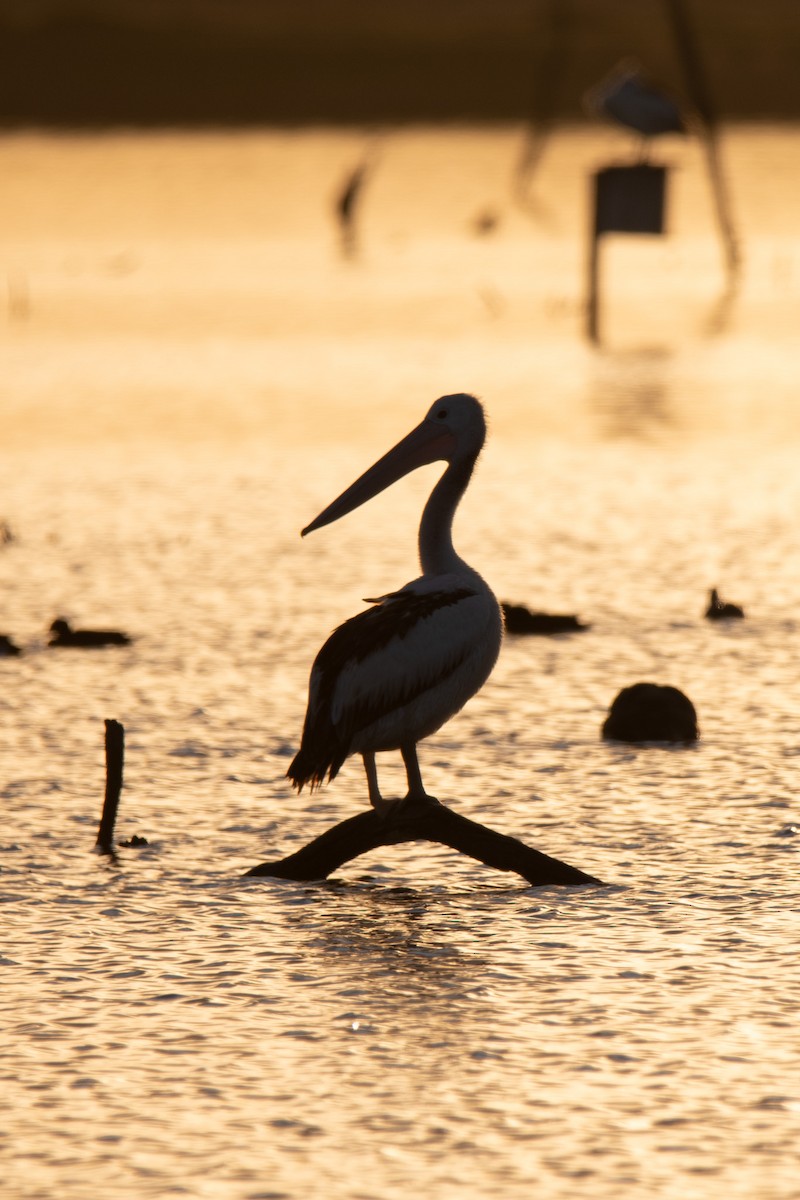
(380, 661)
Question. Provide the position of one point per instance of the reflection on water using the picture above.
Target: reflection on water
(190, 372)
(631, 394)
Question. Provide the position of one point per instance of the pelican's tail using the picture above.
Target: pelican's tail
(310, 767)
(303, 772)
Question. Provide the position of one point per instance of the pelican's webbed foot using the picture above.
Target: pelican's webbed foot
(410, 806)
(415, 801)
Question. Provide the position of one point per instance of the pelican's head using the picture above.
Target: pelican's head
(462, 416)
(453, 429)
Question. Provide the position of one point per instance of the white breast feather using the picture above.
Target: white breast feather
(449, 654)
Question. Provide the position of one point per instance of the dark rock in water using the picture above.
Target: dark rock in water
(719, 610)
(651, 712)
(63, 635)
(8, 649)
(520, 619)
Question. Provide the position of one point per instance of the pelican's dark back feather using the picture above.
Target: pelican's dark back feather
(326, 743)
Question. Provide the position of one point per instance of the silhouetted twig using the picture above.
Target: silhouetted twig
(434, 823)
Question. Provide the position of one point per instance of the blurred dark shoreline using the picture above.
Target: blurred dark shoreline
(373, 62)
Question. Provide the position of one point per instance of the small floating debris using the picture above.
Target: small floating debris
(520, 620)
(721, 610)
(64, 635)
(651, 712)
(8, 649)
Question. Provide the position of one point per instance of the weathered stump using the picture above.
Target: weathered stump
(651, 712)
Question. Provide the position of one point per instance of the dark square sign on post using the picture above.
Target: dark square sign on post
(630, 199)
(626, 200)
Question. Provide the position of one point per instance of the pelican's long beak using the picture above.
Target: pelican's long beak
(429, 442)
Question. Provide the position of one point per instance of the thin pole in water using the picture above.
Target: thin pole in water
(115, 754)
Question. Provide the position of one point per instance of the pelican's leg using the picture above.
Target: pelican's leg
(375, 797)
(416, 791)
(381, 806)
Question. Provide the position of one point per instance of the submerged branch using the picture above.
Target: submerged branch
(433, 823)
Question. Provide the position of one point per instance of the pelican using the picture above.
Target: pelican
(393, 675)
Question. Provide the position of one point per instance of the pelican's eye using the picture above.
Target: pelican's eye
(441, 414)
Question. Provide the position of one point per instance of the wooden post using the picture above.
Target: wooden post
(592, 318)
(115, 753)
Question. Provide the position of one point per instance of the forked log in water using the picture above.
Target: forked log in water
(433, 823)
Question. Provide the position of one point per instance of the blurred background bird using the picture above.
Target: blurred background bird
(627, 97)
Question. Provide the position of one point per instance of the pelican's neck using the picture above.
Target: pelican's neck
(436, 553)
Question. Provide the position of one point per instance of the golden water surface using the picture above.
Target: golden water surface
(190, 369)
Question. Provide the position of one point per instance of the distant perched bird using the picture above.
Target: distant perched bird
(7, 648)
(63, 635)
(393, 674)
(719, 610)
(627, 97)
(520, 620)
